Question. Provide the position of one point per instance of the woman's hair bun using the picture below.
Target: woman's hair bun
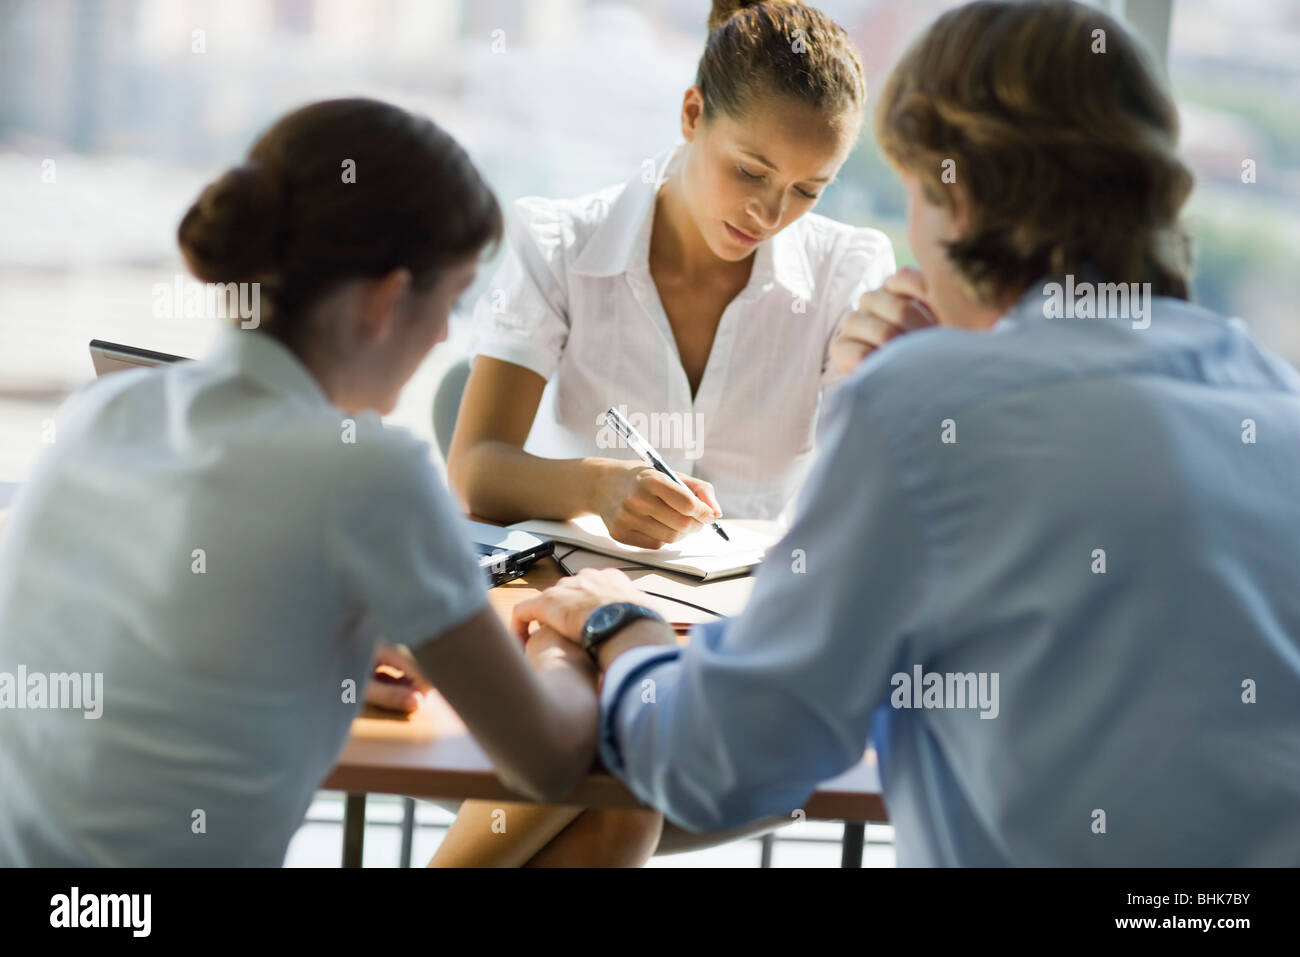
(724, 10)
(336, 191)
(231, 233)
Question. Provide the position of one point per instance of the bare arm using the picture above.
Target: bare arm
(487, 464)
(498, 480)
(536, 719)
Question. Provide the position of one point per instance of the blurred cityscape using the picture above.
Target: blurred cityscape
(115, 113)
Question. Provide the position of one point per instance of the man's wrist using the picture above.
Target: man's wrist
(641, 633)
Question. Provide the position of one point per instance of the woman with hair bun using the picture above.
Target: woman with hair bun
(219, 543)
(702, 294)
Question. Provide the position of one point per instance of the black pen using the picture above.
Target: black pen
(648, 454)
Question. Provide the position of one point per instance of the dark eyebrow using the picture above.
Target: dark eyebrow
(772, 166)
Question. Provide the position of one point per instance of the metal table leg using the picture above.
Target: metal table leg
(408, 830)
(855, 835)
(354, 829)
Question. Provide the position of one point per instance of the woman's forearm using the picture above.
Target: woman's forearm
(573, 695)
(567, 724)
(503, 483)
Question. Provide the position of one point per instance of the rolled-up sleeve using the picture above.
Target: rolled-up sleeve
(756, 711)
(523, 317)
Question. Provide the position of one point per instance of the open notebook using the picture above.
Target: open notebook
(682, 600)
(703, 555)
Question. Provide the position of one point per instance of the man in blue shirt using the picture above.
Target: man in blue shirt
(1048, 555)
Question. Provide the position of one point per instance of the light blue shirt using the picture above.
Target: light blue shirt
(1103, 517)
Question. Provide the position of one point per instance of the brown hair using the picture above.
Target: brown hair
(1068, 156)
(288, 218)
(780, 46)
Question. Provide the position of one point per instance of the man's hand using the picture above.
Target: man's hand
(397, 682)
(566, 605)
(900, 305)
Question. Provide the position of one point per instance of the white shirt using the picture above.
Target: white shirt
(574, 301)
(224, 670)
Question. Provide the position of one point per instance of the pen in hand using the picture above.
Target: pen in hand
(648, 454)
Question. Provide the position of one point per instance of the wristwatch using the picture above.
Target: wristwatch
(607, 620)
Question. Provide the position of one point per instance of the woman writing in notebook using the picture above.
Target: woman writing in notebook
(704, 295)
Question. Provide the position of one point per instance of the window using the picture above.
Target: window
(114, 115)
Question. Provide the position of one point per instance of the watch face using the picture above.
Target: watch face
(604, 617)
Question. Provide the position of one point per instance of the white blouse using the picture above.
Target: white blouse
(574, 301)
(223, 546)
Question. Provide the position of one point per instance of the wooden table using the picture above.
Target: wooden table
(432, 755)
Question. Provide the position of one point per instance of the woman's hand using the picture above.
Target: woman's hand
(397, 682)
(641, 506)
(546, 647)
(900, 305)
(566, 605)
